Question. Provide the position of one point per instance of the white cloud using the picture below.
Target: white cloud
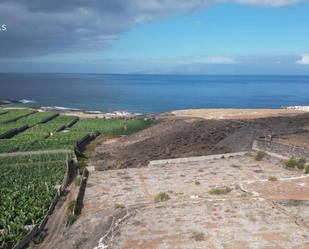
(304, 60)
(206, 60)
(275, 3)
(39, 27)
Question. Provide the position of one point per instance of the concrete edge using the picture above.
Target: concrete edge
(275, 155)
(195, 159)
(272, 154)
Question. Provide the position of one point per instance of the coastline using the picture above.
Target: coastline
(205, 113)
(9, 104)
(234, 113)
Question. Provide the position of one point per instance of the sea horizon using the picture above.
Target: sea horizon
(155, 93)
(167, 74)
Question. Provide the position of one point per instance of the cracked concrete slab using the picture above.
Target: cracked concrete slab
(257, 213)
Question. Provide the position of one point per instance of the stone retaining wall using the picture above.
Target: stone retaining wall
(20, 117)
(69, 175)
(194, 159)
(290, 131)
(73, 122)
(61, 128)
(13, 132)
(37, 229)
(81, 144)
(69, 125)
(49, 118)
(5, 112)
(81, 192)
(22, 244)
(284, 150)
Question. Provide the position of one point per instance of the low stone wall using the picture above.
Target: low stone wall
(20, 117)
(71, 172)
(49, 118)
(42, 224)
(69, 125)
(5, 112)
(61, 128)
(81, 192)
(37, 229)
(194, 159)
(55, 200)
(291, 131)
(81, 144)
(13, 132)
(73, 122)
(284, 150)
(22, 244)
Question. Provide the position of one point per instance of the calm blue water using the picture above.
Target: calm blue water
(155, 93)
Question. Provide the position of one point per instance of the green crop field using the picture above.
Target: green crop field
(34, 158)
(3, 111)
(28, 120)
(12, 114)
(46, 137)
(26, 192)
(27, 181)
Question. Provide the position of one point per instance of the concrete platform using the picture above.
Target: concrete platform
(256, 214)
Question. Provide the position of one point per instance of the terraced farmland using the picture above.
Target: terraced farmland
(35, 158)
(28, 181)
(13, 115)
(26, 191)
(26, 140)
(46, 136)
(28, 120)
(67, 139)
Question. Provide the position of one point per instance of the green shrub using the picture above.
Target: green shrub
(77, 180)
(307, 169)
(272, 178)
(81, 164)
(295, 163)
(220, 191)
(71, 205)
(291, 163)
(162, 197)
(197, 182)
(119, 206)
(71, 219)
(301, 163)
(260, 155)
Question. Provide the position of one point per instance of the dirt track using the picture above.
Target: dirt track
(172, 137)
(56, 224)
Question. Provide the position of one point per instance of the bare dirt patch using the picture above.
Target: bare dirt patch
(236, 113)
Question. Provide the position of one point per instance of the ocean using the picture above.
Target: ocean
(154, 93)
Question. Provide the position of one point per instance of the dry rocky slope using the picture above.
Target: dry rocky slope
(175, 136)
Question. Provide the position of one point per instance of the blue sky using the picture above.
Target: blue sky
(227, 38)
(226, 29)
